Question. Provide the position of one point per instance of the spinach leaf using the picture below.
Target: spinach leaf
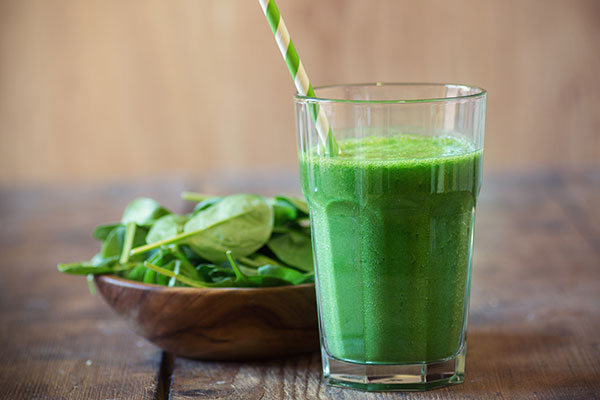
(113, 245)
(97, 259)
(203, 205)
(189, 271)
(143, 211)
(172, 258)
(102, 231)
(178, 253)
(137, 273)
(283, 229)
(140, 236)
(176, 276)
(286, 274)
(195, 196)
(258, 260)
(105, 266)
(248, 271)
(211, 273)
(218, 274)
(162, 279)
(204, 201)
(294, 249)
(150, 276)
(130, 230)
(298, 225)
(283, 211)
(191, 255)
(240, 223)
(263, 281)
(160, 257)
(166, 227)
(205, 271)
(297, 203)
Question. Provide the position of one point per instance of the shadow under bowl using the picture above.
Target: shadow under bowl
(218, 323)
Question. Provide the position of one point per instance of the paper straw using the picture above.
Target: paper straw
(303, 86)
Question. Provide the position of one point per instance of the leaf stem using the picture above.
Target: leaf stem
(178, 253)
(193, 196)
(238, 273)
(177, 276)
(152, 246)
(128, 242)
(176, 267)
(90, 281)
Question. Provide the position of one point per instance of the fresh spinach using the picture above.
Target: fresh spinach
(162, 279)
(285, 274)
(137, 273)
(113, 245)
(242, 240)
(150, 276)
(257, 260)
(143, 211)
(196, 197)
(203, 205)
(283, 212)
(166, 227)
(109, 266)
(239, 275)
(203, 200)
(294, 249)
(295, 202)
(240, 223)
(101, 232)
(115, 241)
(130, 230)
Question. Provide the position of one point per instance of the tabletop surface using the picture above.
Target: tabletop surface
(534, 329)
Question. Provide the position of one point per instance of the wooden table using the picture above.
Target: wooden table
(535, 309)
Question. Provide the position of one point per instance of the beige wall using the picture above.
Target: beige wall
(112, 89)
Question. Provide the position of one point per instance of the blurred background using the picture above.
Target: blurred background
(105, 90)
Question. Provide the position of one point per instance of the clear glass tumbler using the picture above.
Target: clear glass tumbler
(392, 227)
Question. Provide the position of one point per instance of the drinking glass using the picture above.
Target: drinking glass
(392, 214)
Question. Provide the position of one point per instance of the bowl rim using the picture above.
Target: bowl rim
(118, 281)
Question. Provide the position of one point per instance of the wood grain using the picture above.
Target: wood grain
(535, 309)
(218, 323)
(56, 340)
(195, 87)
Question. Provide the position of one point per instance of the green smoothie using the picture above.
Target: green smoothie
(392, 222)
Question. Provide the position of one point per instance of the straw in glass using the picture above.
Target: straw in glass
(303, 86)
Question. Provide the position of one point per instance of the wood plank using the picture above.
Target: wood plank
(56, 340)
(291, 378)
(579, 195)
(535, 312)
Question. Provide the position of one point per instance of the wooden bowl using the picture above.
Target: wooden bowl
(219, 323)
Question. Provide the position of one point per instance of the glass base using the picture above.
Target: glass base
(394, 377)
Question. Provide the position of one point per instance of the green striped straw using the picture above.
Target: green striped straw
(303, 86)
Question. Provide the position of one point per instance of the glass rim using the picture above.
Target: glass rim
(479, 92)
